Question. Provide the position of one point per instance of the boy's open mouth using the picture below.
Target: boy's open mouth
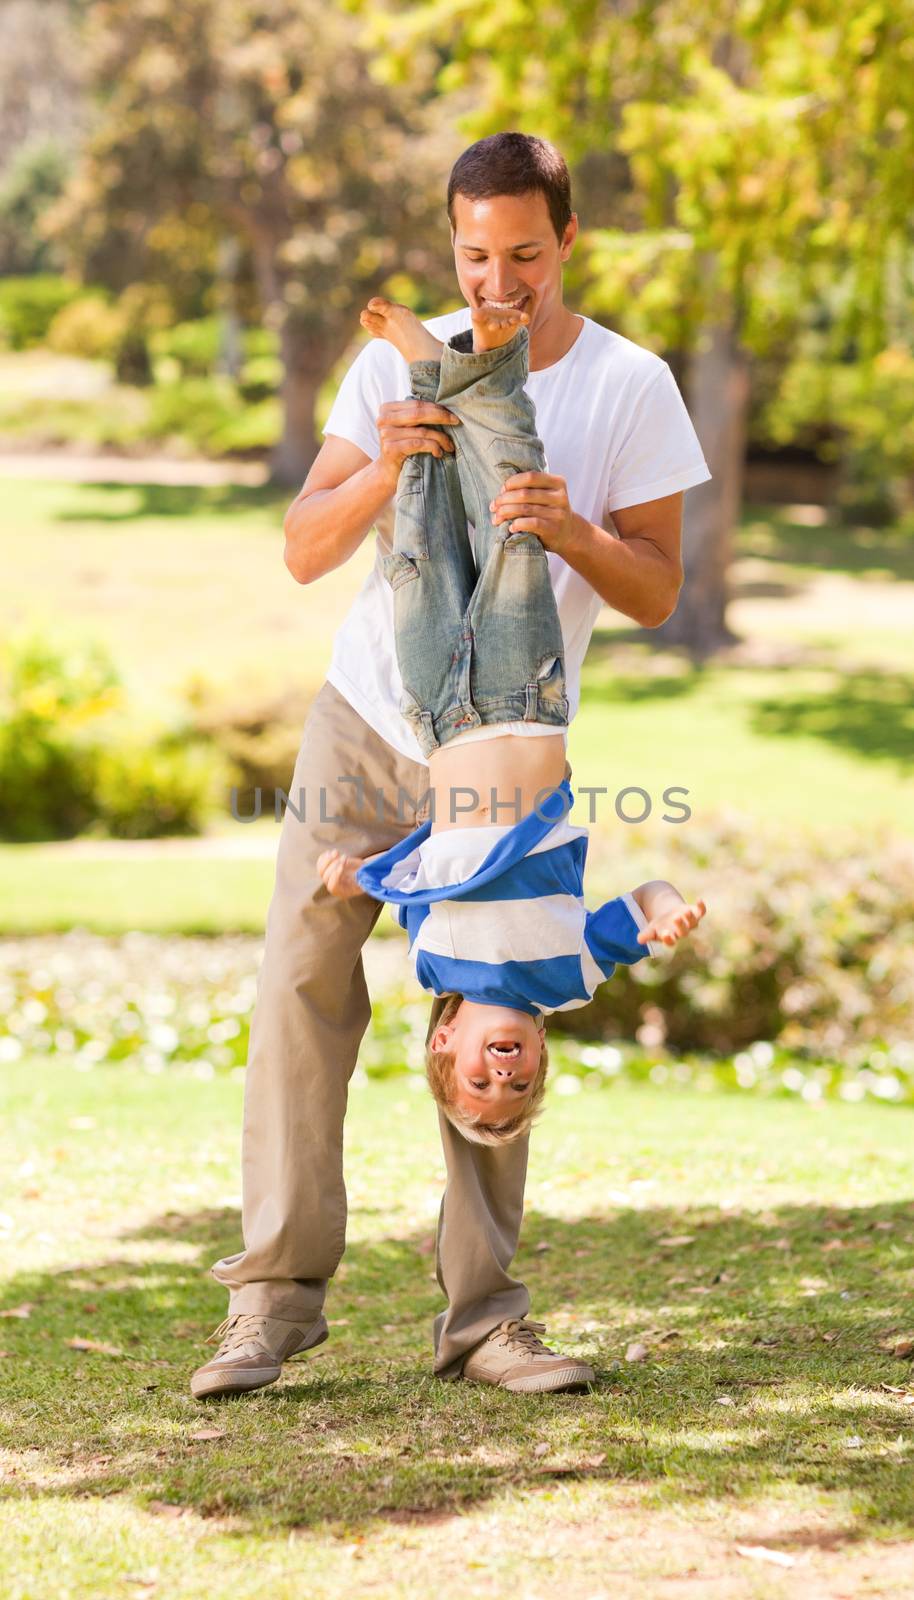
(505, 1049)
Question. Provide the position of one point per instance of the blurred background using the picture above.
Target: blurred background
(195, 202)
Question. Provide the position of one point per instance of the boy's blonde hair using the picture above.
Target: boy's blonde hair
(439, 1069)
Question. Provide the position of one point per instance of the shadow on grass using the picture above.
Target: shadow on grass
(765, 1368)
(855, 550)
(865, 711)
(135, 501)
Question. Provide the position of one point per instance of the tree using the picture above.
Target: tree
(221, 118)
(772, 150)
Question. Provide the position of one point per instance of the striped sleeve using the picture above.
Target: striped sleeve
(611, 934)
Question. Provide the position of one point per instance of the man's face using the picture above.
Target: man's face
(496, 1055)
(505, 249)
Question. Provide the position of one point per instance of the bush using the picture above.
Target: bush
(28, 306)
(70, 758)
(210, 414)
(143, 791)
(89, 327)
(807, 946)
(192, 346)
(259, 733)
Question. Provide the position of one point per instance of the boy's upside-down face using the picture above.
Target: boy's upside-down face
(496, 1053)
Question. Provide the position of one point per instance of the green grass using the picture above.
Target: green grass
(763, 1252)
(46, 891)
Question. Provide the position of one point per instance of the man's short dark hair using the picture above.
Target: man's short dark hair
(513, 163)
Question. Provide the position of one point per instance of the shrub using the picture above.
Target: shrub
(89, 327)
(806, 945)
(70, 758)
(143, 791)
(28, 306)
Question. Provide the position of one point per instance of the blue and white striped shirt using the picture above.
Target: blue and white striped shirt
(497, 914)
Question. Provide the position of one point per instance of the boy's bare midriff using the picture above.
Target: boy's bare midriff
(508, 775)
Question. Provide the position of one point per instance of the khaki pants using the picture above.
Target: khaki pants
(311, 1012)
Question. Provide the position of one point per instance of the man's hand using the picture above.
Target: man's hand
(405, 429)
(536, 502)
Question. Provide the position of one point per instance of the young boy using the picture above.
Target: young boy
(494, 910)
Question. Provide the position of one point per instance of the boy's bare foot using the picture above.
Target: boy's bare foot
(387, 320)
(492, 328)
(338, 872)
(671, 926)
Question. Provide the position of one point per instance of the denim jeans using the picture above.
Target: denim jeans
(478, 639)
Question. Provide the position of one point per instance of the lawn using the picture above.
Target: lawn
(763, 1253)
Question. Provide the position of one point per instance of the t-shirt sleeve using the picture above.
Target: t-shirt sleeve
(611, 934)
(660, 453)
(371, 379)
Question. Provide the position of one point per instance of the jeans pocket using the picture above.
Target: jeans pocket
(399, 569)
(410, 535)
(508, 454)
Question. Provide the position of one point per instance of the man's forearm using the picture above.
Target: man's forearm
(630, 574)
(324, 528)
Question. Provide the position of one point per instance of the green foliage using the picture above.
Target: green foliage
(70, 758)
(28, 307)
(143, 791)
(89, 326)
(192, 346)
(869, 405)
(209, 414)
(32, 181)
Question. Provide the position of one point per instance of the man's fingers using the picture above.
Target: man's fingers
(406, 411)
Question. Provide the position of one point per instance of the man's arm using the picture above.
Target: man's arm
(345, 490)
(637, 570)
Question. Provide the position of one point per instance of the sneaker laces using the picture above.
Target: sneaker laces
(244, 1334)
(519, 1331)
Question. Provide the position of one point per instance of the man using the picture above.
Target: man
(621, 451)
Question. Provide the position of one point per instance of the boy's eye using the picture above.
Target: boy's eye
(474, 1085)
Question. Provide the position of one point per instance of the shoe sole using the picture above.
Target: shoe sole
(243, 1381)
(544, 1382)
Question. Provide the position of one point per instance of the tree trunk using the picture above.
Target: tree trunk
(718, 404)
(305, 366)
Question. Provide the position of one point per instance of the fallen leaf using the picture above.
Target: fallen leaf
(543, 1245)
(893, 1388)
(903, 1348)
(17, 1311)
(94, 1345)
(832, 1335)
(4, 1354)
(676, 1240)
(637, 1351)
(760, 1552)
(724, 1400)
(669, 1336)
(337, 1322)
(426, 1246)
(142, 1580)
(854, 1442)
(541, 1450)
(833, 1244)
(208, 1433)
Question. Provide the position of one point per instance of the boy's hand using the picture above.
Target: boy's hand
(338, 873)
(671, 926)
(536, 502)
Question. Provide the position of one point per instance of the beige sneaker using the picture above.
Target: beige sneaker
(512, 1357)
(252, 1352)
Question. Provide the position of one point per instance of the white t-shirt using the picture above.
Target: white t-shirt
(613, 425)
